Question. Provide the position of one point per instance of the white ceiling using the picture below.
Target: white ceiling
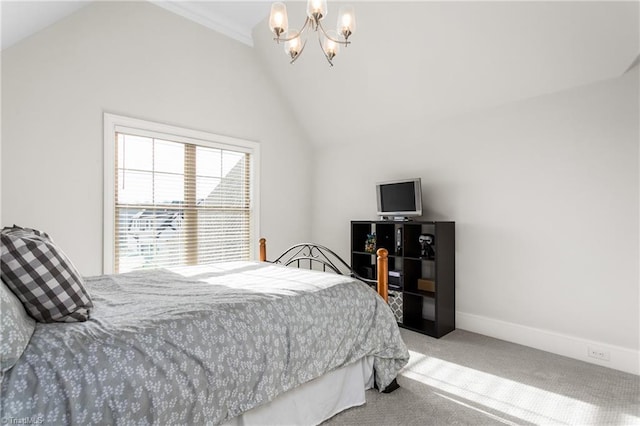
(236, 19)
(20, 19)
(413, 62)
(419, 60)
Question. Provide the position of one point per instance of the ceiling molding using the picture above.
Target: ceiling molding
(214, 21)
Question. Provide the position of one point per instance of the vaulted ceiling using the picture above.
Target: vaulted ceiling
(411, 61)
(235, 19)
(423, 61)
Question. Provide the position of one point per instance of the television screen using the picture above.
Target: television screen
(400, 198)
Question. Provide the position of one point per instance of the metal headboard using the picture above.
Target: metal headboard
(310, 255)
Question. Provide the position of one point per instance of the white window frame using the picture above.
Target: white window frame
(116, 123)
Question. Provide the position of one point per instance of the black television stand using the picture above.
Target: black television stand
(421, 279)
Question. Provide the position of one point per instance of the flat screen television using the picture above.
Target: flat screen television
(399, 199)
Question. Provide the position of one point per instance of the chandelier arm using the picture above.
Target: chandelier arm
(325, 53)
(304, 27)
(344, 43)
(299, 53)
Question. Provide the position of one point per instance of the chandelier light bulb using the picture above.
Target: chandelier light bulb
(331, 48)
(278, 20)
(316, 9)
(346, 21)
(293, 45)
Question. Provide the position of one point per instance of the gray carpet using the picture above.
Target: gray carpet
(469, 379)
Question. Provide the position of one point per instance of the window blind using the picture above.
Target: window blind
(179, 203)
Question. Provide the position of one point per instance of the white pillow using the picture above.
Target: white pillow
(16, 328)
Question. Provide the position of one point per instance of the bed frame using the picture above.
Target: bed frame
(315, 256)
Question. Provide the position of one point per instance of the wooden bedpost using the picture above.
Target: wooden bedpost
(263, 250)
(383, 291)
(383, 274)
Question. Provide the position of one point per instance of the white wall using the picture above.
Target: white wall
(138, 60)
(544, 193)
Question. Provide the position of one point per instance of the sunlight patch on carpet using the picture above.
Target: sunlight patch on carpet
(490, 394)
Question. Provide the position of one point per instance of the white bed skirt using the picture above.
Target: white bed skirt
(315, 401)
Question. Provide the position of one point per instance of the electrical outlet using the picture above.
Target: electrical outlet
(598, 353)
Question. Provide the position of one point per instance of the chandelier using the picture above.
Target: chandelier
(316, 12)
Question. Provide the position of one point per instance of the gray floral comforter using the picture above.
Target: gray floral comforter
(198, 345)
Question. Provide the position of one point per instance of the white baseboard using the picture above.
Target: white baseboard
(623, 359)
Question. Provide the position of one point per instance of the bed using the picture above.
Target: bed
(230, 343)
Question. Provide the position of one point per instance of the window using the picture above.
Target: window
(176, 196)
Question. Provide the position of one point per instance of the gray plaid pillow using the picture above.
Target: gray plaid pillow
(42, 277)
